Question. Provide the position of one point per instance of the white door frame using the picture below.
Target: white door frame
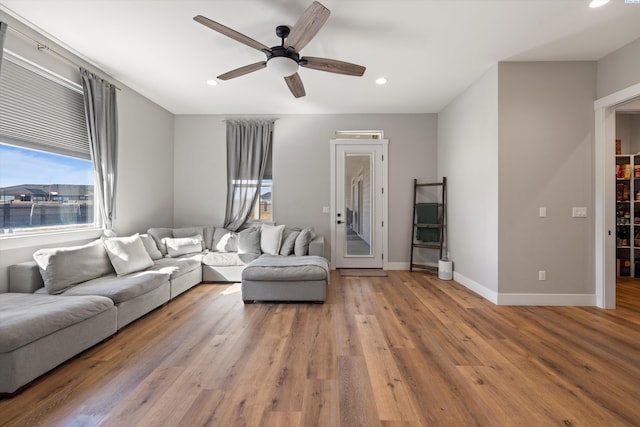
(605, 221)
(384, 143)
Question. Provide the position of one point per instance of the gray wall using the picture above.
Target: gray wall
(145, 161)
(519, 139)
(542, 115)
(468, 157)
(301, 169)
(619, 70)
(546, 123)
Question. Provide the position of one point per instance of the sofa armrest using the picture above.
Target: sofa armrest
(25, 277)
(316, 246)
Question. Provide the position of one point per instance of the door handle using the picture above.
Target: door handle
(339, 222)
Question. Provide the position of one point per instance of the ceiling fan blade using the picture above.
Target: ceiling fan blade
(295, 85)
(242, 70)
(332, 66)
(307, 26)
(231, 33)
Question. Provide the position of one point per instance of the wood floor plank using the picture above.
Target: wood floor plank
(391, 396)
(403, 350)
(135, 410)
(321, 403)
(208, 399)
(356, 395)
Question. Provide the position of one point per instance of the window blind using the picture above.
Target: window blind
(40, 111)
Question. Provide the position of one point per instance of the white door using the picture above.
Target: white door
(358, 204)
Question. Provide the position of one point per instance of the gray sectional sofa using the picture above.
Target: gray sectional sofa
(68, 299)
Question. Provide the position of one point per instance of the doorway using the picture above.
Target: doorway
(605, 222)
(358, 203)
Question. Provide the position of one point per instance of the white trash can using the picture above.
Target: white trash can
(445, 269)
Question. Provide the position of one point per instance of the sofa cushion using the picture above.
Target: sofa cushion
(121, 288)
(269, 268)
(224, 240)
(177, 267)
(151, 247)
(127, 254)
(301, 246)
(270, 238)
(177, 246)
(208, 231)
(289, 236)
(249, 241)
(190, 232)
(159, 233)
(24, 318)
(225, 259)
(62, 268)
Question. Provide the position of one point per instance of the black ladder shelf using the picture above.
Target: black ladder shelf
(428, 231)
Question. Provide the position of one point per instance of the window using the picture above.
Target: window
(46, 175)
(263, 209)
(359, 134)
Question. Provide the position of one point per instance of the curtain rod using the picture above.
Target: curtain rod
(43, 47)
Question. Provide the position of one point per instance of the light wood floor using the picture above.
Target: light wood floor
(406, 349)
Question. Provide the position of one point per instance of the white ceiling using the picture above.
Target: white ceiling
(429, 50)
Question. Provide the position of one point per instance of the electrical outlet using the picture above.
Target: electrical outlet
(542, 275)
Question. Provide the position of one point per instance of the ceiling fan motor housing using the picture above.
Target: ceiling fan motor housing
(283, 60)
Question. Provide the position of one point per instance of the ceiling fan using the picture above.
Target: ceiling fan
(286, 58)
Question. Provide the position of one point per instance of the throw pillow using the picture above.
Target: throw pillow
(177, 246)
(270, 238)
(158, 234)
(249, 241)
(224, 240)
(151, 247)
(190, 232)
(127, 254)
(62, 268)
(301, 246)
(289, 236)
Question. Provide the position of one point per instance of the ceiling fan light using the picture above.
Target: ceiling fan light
(282, 66)
(597, 3)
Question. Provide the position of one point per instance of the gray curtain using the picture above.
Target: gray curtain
(102, 127)
(248, 146)
(3, 32)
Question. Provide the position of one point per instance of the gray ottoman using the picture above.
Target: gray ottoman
(285, 278)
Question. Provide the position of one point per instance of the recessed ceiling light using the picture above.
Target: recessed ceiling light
(212, 82)
(381, 81)
(597, 3)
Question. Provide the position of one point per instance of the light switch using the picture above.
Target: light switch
(325, 209)
(543, 212)
(579, 212)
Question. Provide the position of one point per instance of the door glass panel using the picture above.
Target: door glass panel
(358, 212)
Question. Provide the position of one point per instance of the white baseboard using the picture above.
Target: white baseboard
(476, 287)
(578, 300)
(396, 266)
